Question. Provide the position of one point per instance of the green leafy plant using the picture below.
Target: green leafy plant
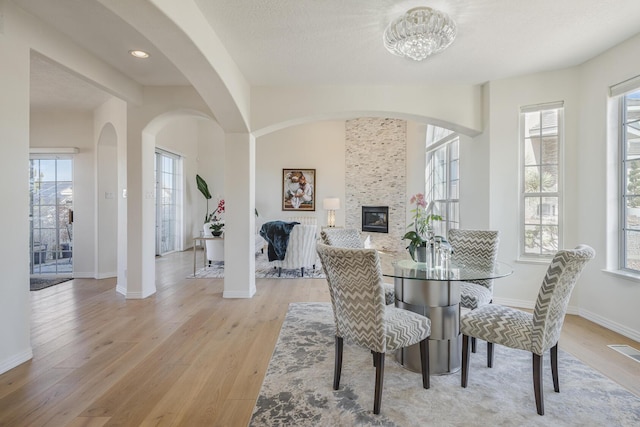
(423, 229)
(204, 189)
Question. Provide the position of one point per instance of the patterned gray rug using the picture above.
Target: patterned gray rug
(264, 270)
(298, 389)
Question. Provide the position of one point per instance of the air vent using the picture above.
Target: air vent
(626, 350)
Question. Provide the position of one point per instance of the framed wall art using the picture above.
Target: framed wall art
(298, 189)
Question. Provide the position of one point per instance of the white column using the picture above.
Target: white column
(15, 301)
(239, 235)
(141, 224)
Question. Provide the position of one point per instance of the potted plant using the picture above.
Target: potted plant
(422, 231)
(217, 224)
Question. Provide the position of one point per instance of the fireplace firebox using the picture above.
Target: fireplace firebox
(375, 219)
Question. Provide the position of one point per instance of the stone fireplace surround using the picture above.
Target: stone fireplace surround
(375, 175)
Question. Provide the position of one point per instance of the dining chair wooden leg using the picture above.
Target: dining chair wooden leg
(554, 368)
(424, 362)
(489, 354)
(465, 361)
(337, 369)
(473, 344)
(379, 376)
(537, 382)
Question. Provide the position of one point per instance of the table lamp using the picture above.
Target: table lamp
(331, 204)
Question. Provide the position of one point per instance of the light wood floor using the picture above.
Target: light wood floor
(184, 356)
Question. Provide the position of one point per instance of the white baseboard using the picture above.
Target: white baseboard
(15, 360)
(239, 294)
(595, 318)
(84, 275)
(611, 325)
(108, 275)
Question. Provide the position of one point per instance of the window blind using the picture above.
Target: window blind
(624, 87)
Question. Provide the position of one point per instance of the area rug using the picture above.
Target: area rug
(264, 270)
(38, 283)
(298, 390)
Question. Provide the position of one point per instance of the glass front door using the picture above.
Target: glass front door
(167, 189)
(51, 215)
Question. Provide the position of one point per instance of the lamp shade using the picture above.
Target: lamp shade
(331, 204)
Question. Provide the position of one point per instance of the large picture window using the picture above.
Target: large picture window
(630, 188)
(541, 188)
(443, 178)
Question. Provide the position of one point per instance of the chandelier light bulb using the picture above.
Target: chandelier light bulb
(420, 33)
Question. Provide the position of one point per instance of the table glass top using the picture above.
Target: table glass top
(401, 266)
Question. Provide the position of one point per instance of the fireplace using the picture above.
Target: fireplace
(375, 219)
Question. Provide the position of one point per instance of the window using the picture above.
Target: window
(630, 188)
(51, 215)
(541, 197)
(442, 177)
(168, 179)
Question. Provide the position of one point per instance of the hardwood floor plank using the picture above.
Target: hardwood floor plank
(186, 355)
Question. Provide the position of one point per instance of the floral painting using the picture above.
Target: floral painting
(298, 190)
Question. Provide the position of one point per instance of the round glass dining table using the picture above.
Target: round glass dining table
(434, 291)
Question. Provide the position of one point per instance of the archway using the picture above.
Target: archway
(107, 203)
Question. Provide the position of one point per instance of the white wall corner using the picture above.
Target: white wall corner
(15, 360)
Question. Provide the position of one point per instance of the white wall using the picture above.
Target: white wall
(506, 98)
(110, 121)
(456, 106)
(73, 129)
(107, 198)
(608, 299)
(184, 135)
(318, 146)
(15, 310)
(210, 165)
(605, 298)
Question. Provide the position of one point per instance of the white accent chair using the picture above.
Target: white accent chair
(260, 243)
(301, 249)
(214, 248)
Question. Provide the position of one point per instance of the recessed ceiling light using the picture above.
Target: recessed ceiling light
(139, 53)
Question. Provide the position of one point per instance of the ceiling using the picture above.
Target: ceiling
(338, 42)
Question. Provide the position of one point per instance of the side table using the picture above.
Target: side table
(217, 251)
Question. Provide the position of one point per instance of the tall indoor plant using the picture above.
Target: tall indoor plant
(204, 189)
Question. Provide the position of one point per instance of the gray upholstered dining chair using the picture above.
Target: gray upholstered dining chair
(351, 238)
(362, 317)
(537, 332)
(478, 247)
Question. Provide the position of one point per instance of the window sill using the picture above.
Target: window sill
(633, 277)
(537, 261)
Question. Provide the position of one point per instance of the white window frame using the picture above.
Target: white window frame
(540, 108)
(451, 212)
(623, 183)
(177, 190)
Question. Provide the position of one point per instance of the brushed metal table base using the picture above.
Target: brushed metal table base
(440, 302)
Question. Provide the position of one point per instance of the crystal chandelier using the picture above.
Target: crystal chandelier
(419, 33)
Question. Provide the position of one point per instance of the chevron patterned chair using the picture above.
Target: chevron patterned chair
(362, 317)
(537, 332)
(475, 247)
(350, 238)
